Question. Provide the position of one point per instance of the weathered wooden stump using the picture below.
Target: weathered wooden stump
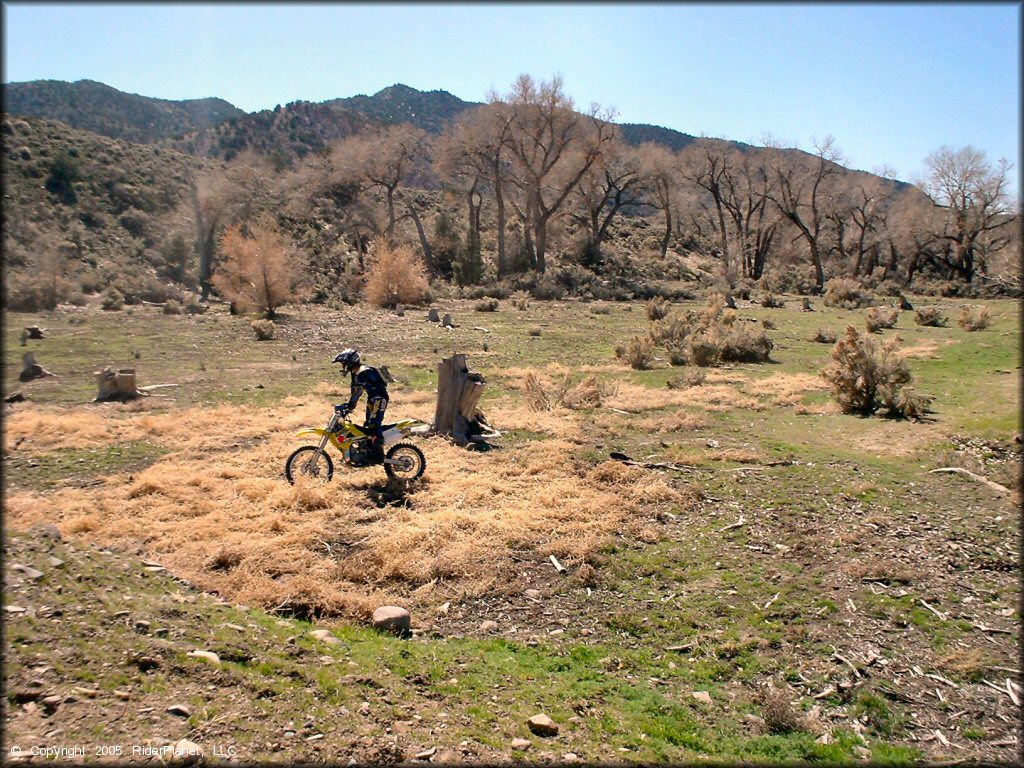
(458, 393)
(117, 385)
(30, 369)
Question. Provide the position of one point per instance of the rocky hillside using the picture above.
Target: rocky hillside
(429, 110)
(282, 133)
(106, 203)
(91, 106)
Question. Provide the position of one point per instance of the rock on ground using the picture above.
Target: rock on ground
(391, 618)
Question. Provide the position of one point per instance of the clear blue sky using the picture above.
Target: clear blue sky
(891, 82)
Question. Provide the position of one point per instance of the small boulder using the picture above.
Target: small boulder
(326, 636)
(391, 618)
(702, 696)
(180, 710)
(187, 752)
(489, 626)
(542, 725)
(45, 531)
(28, 572)
(208, 656)
(520, 745)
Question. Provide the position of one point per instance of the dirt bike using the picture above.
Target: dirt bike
(403, 461)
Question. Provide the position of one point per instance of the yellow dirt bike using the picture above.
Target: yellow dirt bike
(402, 461)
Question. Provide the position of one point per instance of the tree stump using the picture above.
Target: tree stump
(30, 369)
(117, 385)
(458, 393)
(433, 316)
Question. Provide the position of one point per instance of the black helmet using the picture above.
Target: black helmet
(349, 358)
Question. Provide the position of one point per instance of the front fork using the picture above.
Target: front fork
(329, 431)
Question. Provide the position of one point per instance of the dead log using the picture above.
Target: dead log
(984, 480)
(117, 385)
(30, 369)
(458, 393)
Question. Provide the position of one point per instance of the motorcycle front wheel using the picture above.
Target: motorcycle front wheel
(309, 463)
(406, 462)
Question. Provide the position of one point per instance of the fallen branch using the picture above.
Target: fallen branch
(846, 661)
(651, 464)
(993, 485)
(941, 679)
(938, 613)
(151, 387)
(738, 524)
(680, 648)
(997, 631)
(1007, 691)
(1013, 696)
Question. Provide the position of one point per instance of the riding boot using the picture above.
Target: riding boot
(377, 445)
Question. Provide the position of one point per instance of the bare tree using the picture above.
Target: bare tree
(611, 184)
(383, 161)
(973, 195)
(220, 197)
(803, 195)
(552, 146)
(658, 171)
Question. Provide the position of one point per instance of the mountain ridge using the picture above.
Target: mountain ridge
(213, 127)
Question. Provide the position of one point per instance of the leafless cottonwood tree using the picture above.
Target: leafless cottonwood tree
(220, 198)
(659, 173)
(385, 161)
(612, 183)
(803, 195)
(973, 194)
(551, 147)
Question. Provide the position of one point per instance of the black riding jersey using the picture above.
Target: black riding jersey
(369, 379)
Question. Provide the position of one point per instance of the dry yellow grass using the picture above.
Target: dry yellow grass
(691, 455)
(785, 389)
(680, 421)
(217, 511)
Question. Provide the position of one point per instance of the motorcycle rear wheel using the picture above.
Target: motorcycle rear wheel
(411, 462)
(309, 463)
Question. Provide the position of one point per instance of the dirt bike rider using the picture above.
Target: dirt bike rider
(364, 377)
